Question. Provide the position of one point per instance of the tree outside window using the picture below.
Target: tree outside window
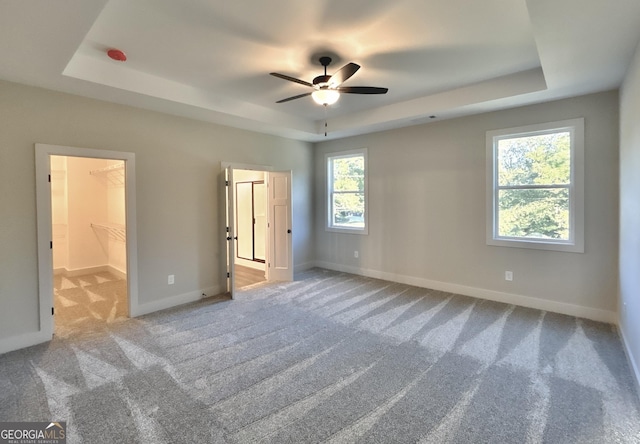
(536, 186)
(347, 191)
(534, 175)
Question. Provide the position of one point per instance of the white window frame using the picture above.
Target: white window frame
(329, 192)
(575, 243)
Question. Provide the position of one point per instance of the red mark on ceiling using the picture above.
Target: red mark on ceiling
(116, 54)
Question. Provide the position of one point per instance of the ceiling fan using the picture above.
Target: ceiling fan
(327, 88)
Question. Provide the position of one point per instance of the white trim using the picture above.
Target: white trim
(297, 268)
(44, 224)
(174, 301)
(117, 272)
(24, 340)
(226, 217)
(328, 184)
(90, 270)
(82, 271)
(575, 244)
(256, 265)
(633, 363)
(244, 166)
(595, 314)
(33, 338)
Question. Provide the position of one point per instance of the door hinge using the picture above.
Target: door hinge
(52, 310)
(51, 245)
(49, 177)
(228, 274)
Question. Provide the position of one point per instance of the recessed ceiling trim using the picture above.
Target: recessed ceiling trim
(106, 72)
(506, 86)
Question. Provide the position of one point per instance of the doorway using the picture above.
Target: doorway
(250, 210)
(86, 237)
(89, 242)
(245, 233)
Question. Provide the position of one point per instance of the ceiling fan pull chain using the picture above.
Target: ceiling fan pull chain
(325, 119)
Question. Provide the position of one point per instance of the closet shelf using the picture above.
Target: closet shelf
(114, 174)
(117, 232)
(107, 169)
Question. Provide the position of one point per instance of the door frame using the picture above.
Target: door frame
(43, 153)
(228, 265)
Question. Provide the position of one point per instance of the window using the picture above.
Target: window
(347, 192)
(535, 186)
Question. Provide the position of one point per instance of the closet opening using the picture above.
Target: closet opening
(88, 242)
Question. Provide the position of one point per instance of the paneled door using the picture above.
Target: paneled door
(280, 262)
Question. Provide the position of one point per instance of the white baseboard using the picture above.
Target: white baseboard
(250, 264)
(174, 301)
(297, 268)
(24, 340)
(91, 270)
(33, 338)
(117, 272)
(595, 314)
(633, 363)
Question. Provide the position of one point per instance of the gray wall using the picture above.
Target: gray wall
(630, 212)
(178, 205)
(427, 211)
(427, 200)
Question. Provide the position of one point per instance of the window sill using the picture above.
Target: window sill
(361, 231)
(537, 245)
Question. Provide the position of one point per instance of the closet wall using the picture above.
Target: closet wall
(87, 206)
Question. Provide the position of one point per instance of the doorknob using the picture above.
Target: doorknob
(289, 231)
(236, 238)
(228, 238)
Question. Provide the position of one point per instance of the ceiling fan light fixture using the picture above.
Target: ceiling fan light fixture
(325, 96)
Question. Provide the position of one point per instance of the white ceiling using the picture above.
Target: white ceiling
(211, 60)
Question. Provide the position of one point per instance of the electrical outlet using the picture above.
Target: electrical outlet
(508, 275)
(171, 279)
(356, 254)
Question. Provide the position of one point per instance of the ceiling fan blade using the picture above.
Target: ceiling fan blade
(362, 90)
(294, 97)
(343, 74)
(291, 79)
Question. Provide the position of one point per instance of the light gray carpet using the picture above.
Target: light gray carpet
(88, 301)
(331, 358)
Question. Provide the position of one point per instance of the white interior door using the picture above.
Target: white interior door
(280, 263)
(229, 233)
